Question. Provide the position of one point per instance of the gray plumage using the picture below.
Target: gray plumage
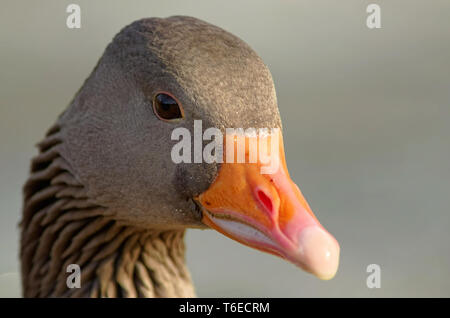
(103, 191)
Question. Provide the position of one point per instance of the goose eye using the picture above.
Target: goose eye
(166, 107)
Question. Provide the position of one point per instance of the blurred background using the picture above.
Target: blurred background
(366, 118)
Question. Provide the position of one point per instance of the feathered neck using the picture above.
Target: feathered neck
(61, 226)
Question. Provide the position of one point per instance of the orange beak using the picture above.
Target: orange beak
(263, 208)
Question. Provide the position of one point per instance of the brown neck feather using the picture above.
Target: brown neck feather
(61, 226)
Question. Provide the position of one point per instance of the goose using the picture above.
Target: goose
(104, 193)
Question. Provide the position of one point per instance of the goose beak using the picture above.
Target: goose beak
(264, 208)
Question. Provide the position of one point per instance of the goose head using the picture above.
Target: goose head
(157, 80)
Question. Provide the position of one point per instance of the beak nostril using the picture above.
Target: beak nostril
(265, 200)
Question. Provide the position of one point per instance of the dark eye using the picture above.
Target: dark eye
(166, 107)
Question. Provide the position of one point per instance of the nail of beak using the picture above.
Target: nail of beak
(319, 251)
(267, 211)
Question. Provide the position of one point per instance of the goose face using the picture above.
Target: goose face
(161, 74)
